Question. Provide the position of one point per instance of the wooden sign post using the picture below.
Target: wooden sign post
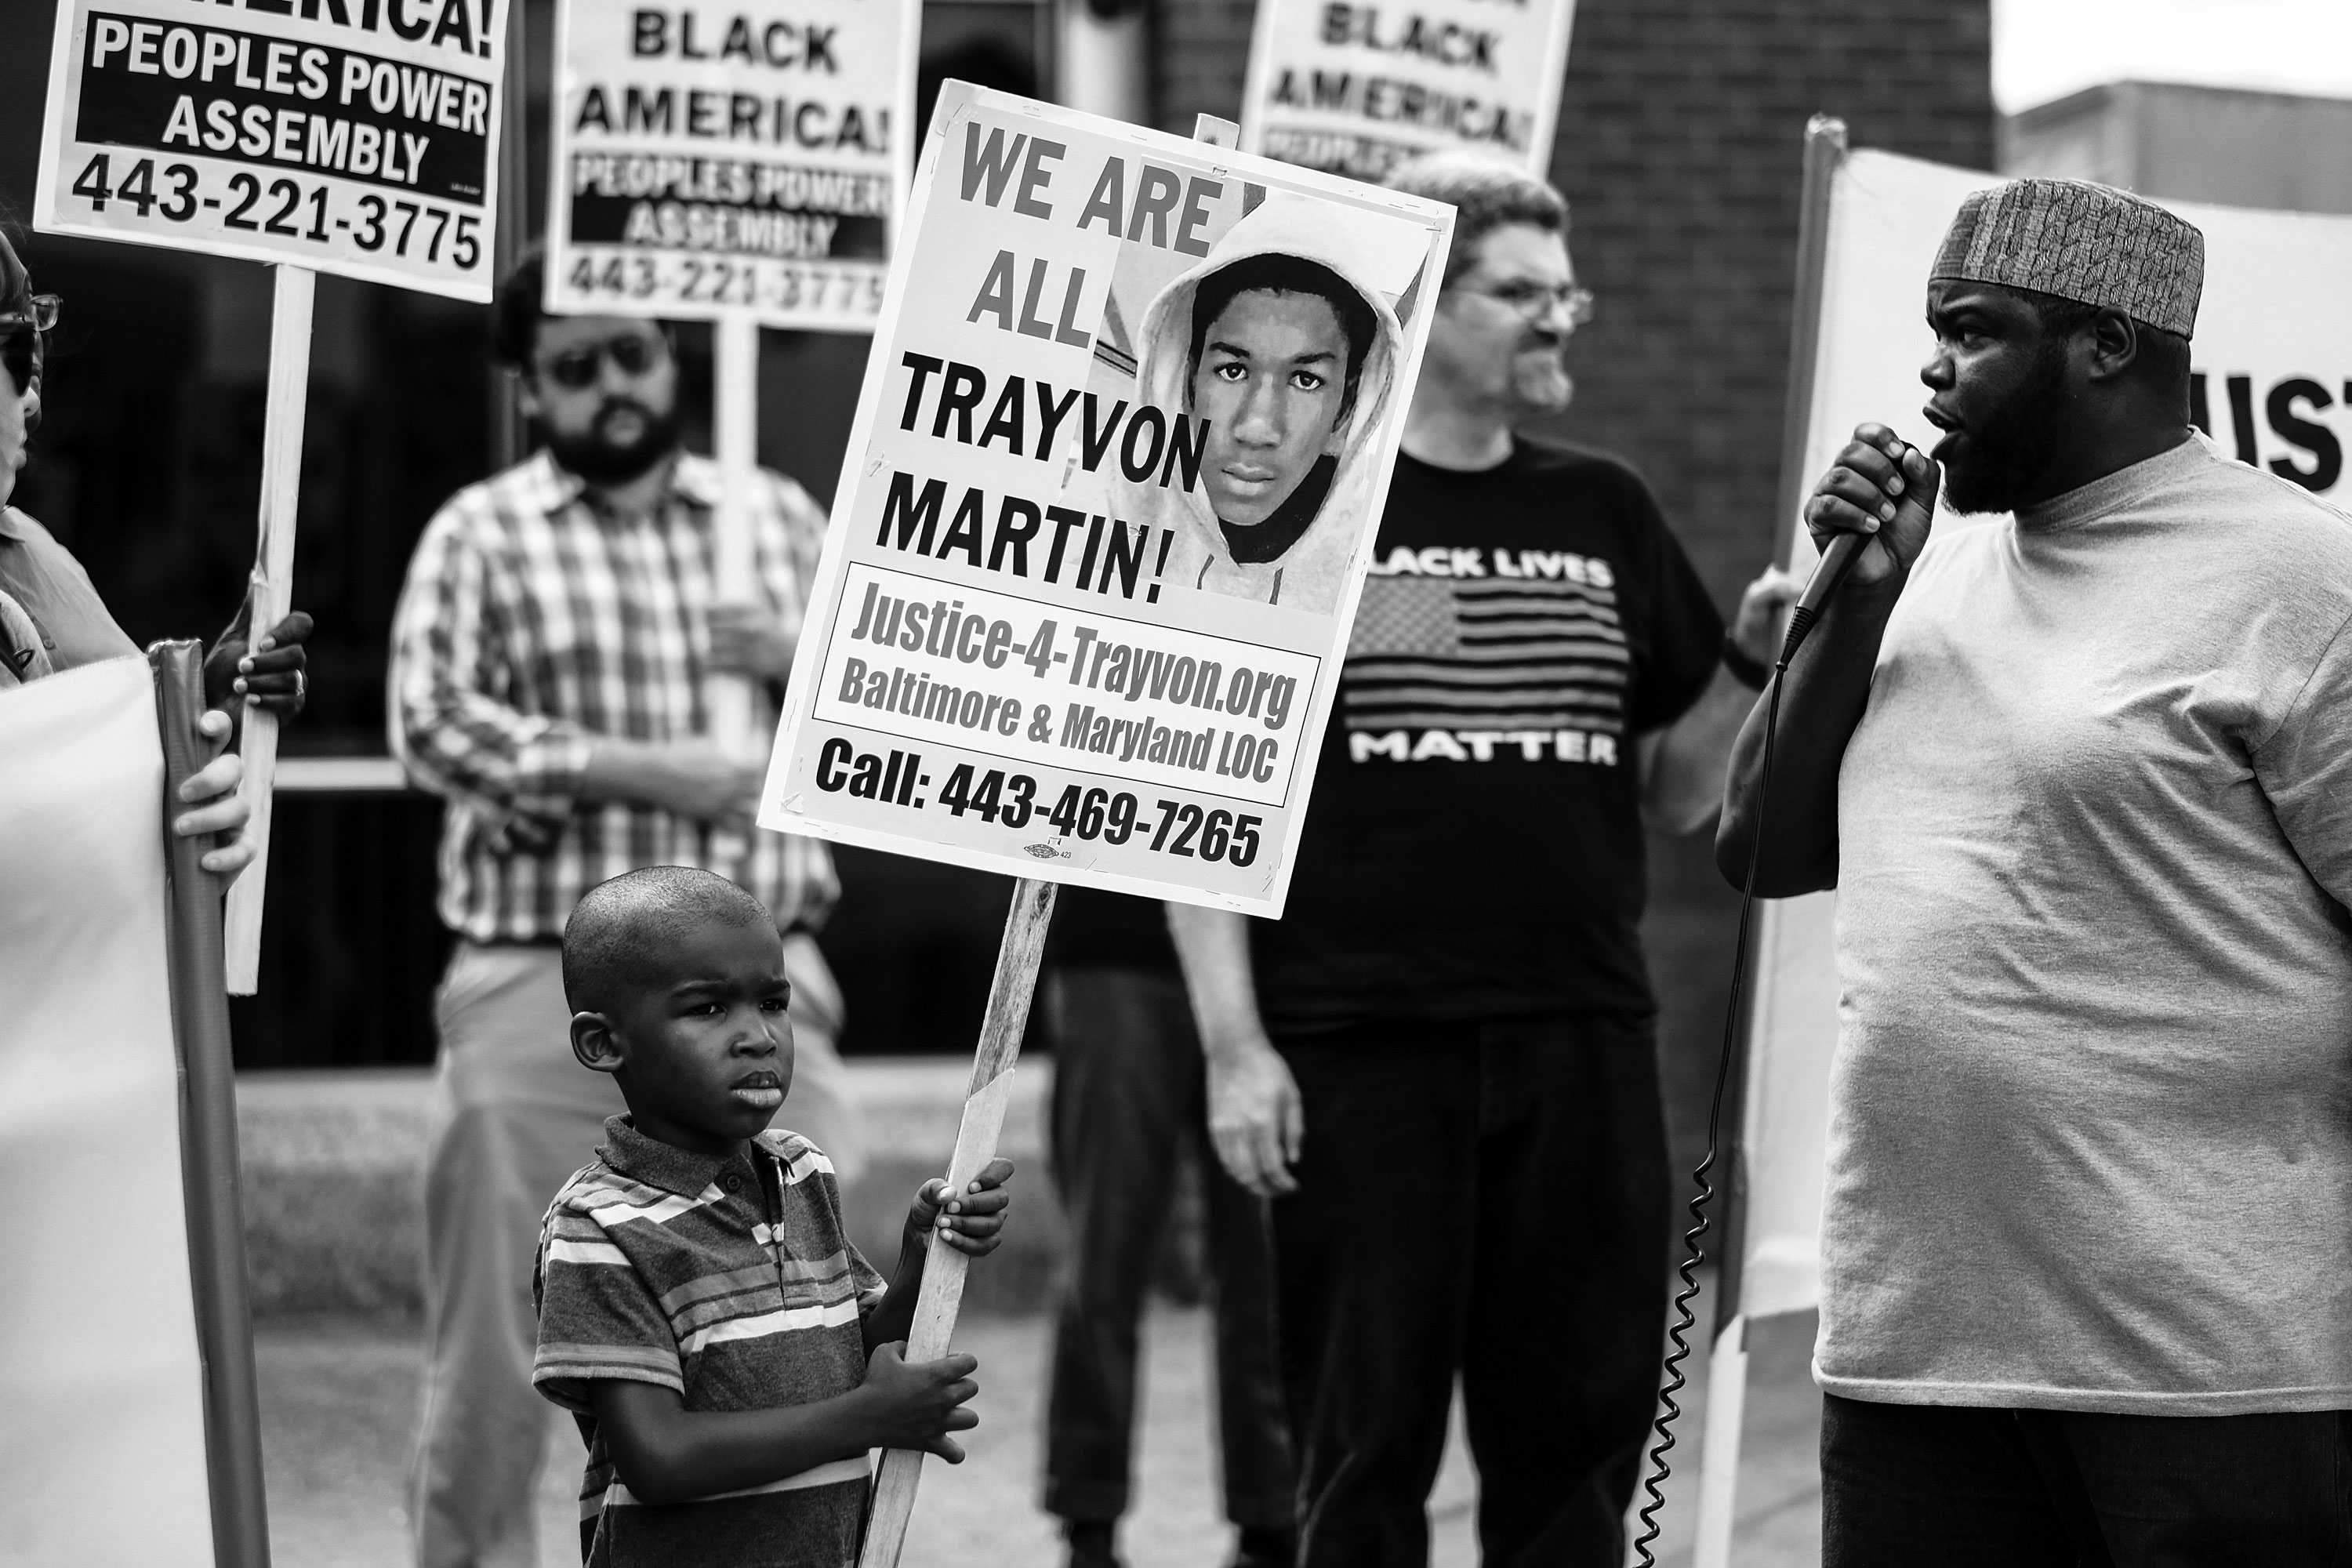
(348, 147)
(733, 699)
(1718, 1476)
(1017, 958)
(272, 592)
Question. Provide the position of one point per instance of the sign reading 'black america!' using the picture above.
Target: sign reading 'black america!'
(1356, 90)
(737, 157)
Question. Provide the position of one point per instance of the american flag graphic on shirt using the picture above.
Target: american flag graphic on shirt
(1485, 653)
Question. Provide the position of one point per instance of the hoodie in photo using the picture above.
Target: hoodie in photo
(1311, 574)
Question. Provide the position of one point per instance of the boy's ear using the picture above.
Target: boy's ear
(597, 1042)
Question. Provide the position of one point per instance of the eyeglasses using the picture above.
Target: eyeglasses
(577, 369)
(1537, 301)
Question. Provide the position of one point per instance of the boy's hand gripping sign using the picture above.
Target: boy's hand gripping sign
(1118, 465)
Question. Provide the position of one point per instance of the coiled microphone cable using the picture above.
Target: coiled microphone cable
(1836, 561)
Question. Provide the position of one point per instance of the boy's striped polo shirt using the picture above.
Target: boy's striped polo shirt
(730, 1280)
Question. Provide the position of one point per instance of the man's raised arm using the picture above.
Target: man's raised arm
(1881, 486)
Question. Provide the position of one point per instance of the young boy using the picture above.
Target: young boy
(729, 1356)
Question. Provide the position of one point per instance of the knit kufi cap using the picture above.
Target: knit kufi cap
(2092, 244)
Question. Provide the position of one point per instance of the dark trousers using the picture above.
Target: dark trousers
(1929, 1486)
(1128, 1099)
(1486, 1200)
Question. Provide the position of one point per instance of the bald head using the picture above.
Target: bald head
(624, 934)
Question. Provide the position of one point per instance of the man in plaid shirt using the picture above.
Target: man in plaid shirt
(550, 670)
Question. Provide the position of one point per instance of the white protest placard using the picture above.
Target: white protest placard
(358, 137)
(1117, 464)
(739, 156)
(87, 1039)
(1354, 89)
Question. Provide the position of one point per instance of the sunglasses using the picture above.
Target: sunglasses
(20, 337)
(576, 369)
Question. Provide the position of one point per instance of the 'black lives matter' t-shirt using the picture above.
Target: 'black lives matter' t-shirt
(1474, 848)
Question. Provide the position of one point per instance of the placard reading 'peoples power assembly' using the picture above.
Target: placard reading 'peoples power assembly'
(351, 136)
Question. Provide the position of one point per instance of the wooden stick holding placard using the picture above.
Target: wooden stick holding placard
(272, 592)
(1017, 958)
(1718, 1479)
(735, 430)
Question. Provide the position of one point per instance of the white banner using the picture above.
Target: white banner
(745, 158)
(1117, 466)
(1353, 90)
(103, 1442)
(2272, 380)
(359, 137)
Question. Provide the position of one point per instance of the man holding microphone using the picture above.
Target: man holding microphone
(2083, 780)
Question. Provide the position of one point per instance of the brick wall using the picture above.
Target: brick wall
(1679, 148)
(1199, 50)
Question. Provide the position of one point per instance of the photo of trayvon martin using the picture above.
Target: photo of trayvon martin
(1282, 343)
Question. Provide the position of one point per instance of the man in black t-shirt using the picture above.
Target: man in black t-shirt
(1440, 1062)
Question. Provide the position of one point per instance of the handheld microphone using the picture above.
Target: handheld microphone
(1837, 560)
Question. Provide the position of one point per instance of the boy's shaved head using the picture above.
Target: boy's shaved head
(622, 933)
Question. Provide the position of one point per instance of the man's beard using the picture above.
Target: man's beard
(2003, 460)
(1540, 385)
(601, 461)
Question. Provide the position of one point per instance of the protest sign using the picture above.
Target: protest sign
(1118, 461)
(1356, 89)
(126, 1365)
(2271, 383)
(746, 156)
(1117, 468)
(358, 137)
(740, 163)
